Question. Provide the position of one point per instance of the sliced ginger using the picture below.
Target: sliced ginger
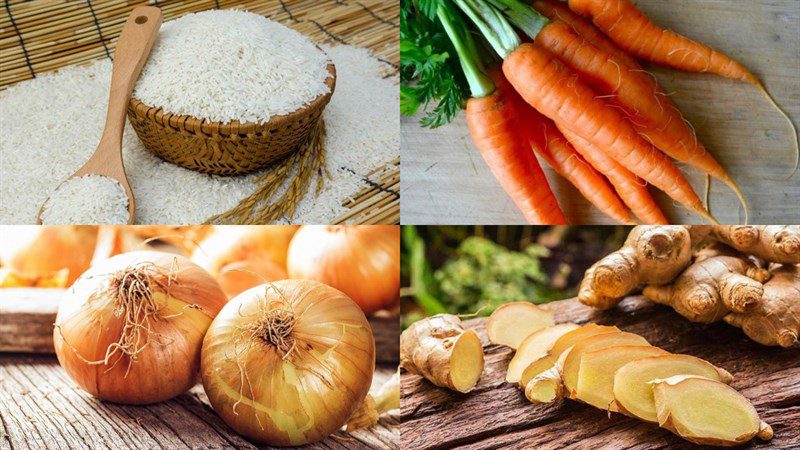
(597, 368)
(512, 322)
(441, 350)
(572, 363)
(707, 412)
(633, 392)
(534, 347)
(565, 370)
(618, 371)
(563, 343)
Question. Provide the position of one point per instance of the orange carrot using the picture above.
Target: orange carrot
(630, 187)
(634, 32)
(551, 145)
(558, 10)
(651, 112)
(547, 142)
(553, 89)
(493, 126)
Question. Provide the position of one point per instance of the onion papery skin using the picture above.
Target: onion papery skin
(363, 261)
(88, 323)
(41, 251)
(313, 391)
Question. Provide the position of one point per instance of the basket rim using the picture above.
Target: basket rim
(188, 123)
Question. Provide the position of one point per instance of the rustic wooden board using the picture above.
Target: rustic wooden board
(497, 414)
(27, 316)
(445, 180)
(42, 408)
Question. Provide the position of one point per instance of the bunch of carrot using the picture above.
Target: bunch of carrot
(576, 95)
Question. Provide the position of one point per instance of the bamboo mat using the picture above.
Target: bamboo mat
(43, 35)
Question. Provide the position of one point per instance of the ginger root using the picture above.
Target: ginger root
(650, 255)
(441, 350)
(775, 243)
(707, 412)
(708, 290)
(776, 319)
(512, 322)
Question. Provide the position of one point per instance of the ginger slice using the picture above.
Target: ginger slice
(559, 346)
(706, 411)
(544, 387)
(512, 322)
(597, 368)
(441, 350)
(633, 392)
(572, 361)
(534, 347)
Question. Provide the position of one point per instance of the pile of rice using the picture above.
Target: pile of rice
(226, 65)
(87, 200)
(69, 109)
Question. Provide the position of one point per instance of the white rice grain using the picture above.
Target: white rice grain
(87, 200)
(231, 65)
(68, 108)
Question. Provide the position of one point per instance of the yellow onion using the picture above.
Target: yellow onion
(363, 261)
(241, 257)
(38, 253)
(287, 363)
(131, 328)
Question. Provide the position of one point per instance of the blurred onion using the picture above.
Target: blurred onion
(34, 252)
(363, 261)
(241, 257)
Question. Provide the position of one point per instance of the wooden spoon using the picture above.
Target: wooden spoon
(133, 46)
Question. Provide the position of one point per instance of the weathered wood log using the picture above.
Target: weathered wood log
(27, 316)
(497, 414)
(41, 408)
(26, 319)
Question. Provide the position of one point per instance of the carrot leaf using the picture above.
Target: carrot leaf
(430, 72)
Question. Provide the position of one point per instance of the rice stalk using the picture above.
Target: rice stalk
(298, 170)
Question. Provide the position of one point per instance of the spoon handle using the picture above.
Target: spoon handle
(133, 46)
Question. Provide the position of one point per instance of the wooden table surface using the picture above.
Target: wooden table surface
(497, 414)
(42, 408)
(445, 180)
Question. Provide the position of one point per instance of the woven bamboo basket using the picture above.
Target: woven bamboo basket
(233, 148)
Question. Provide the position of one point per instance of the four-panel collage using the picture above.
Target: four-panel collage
(208, 241)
